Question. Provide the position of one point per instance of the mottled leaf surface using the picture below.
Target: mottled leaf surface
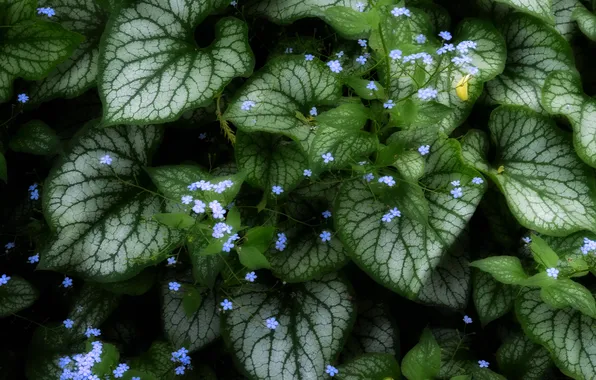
(16, 295)
(520, 358)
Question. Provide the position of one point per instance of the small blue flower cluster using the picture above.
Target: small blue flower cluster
(79, 366)
(281, 242)
(181, 356)
(33, 192)
(46, 11)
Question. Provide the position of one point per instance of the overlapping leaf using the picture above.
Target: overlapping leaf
(547, 187)
(314, 321)
(77, 74)
(16, 295)
(534, 50)
(285, 86)
(520, 358)
(402, 254)
(286, 11)
(564, 23)
(539, 8)
(586, 21)
(151, 70)
(562, 94)
(35, 137)
(370, 366)
(102, 220)
(567, 334)
(492, 298)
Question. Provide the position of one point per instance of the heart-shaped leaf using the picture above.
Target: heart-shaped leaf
(16, 295)
(370, 366)
(286, 85)
(78, 73)
(150, 68)
(562, 94)
(492, 298)
(192, 332)
(534, 49)
(35, 137)
(520, 358)
(547, 187)
(31, 50)
(566, 333)
(402, 254)
(101, 218)
(423, 361)
(314, 320)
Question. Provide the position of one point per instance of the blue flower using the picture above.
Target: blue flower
(372, 86)
(368, 177)
(199, 207)
(335, 66)
(33, 259)
(106, 160)
(4, 279)
(250, 277)
(23, 98)
(180, 370)
(326, 214)
(552, 272)
(280, 244)
(91, 331)
(325, 236)
(424, 150)
(388, 180)
(426, 94)
(119, 371)
(327, 157)
(247, 105)
(271, 323)
(483, 364)
(174, 286)
(389, 104)
(217, 210)
(362, 43)
(313, 111)
(477, 181)
(46, 11)
(421, 38)
(171, 260)
(331, 370)
(403, 11)
(186, 199)
(395, 54)
(226, 305)
(309, 57)
(445, 35)
(454, 183)
(10, 245)
(67, 282)
(360, 6)
(467, 320)
(68, 323)
(457, 192)
(35, 194)
(220, 229)
(277, 190)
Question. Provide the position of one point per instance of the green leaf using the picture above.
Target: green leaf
(562, 94)
(346, 147)
(192, 332)
(402, 254)
(205, 269)
(492, 298)
(370, 366)
(347, 22)
(543, 254)
(139, 284)
(16, 295)
(306, 256)
(259, 237)
(31, 50)
(108, 359)
(566, 333)
(102, 223)
(13, 11)
(233, 219)
(547, 187)
(454, 352)
(314, 320)
(3, 168)
(270, 160)
(156, 360)
(252, 258)
(78, 73)
(563, 11)
(35, 137)
(348, 116)
(360, 86)
(410, 165)
(286, 11)
(286, 85)
(423, 361)
(569, 250)
(521, 359)
(505, 269)
(540, 280)
(374, 331)
(150, 68)
(586, 21)
(565, 293)
(539, 8)
(534, 50)
(191, 301)
(177, 220)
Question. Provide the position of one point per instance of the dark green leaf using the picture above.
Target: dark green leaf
(424, 360)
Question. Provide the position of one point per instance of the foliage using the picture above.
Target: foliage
(297, 189)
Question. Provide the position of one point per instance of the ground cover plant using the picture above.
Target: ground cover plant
(297, 189)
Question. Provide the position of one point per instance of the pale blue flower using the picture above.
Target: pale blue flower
(23, 98)
(421, 38)
(372, 86)
(250, 277)
(589, 246)
(445, 35)
(186, 199)
(199, 207)
(280, 244)
(106, 160)
(217, 210)
(388, 180)
(426, 94)
(424, 150)
(33, 259)
(247, 105)
(455, 183)
(309, 57)
(395, 54)
(4, 279)
(10, 245)
(477, 181)
(403, 11)
(326, 214)
(171, 260)
(335, 66)
(340, 54)
(271, 323)
(368, 177)
(457, 192)
(325, 236)
(68, 323)
(92, 331)
(226, 305)
(119, 371)
(361, 60)
(527, 239)
(360, 6)
(331, 370)
(34, 194)
(67, 282)
(362, 43)
(467, 320)
(389, 104)
(483, 364)
(220, 229)
(327, 157)
(307, 172)
(313, 111)
(277, 190)
(174, 286)
(445, 48)
(552, 272)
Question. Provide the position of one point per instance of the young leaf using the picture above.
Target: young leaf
(529, 61)
(286, 11)
(567, 334)
(150, 69)
(543, 254)
(314, 320)
(539, 8)
(492, 298)
(505, 269)
(547, 187)
(410, 165)
(178, 220)
(402, 254)
(374, 331)
(565, 293)
(363, 90)
(35, 137)
(521, 359)
(270, 160)
(31, 50)
(259, 238)
(424, 360)
(306, 256)
(586, 21)
(191, 301)
(102, 224)
(347, 22)
(370, 366)
(348, 116)
(78, 73)
(16, 295)
(252, 258)
(192, 332)
(286, 85)
(562, 94)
